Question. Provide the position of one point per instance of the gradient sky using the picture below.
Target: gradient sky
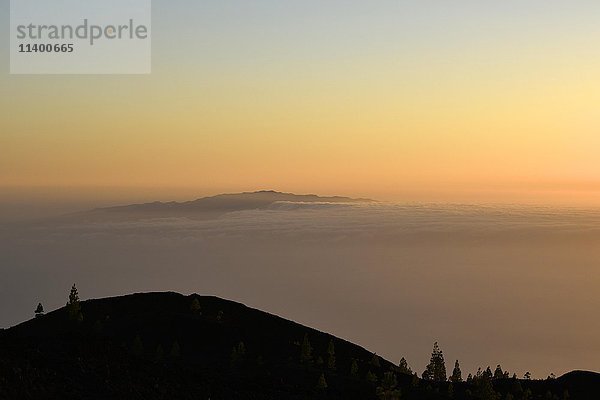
(399, 100)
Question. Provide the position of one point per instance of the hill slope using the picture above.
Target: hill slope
(170, 346)
(154, 345)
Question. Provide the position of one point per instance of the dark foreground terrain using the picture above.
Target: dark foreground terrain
(170, 346)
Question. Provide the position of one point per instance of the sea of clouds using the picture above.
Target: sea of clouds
(492, 284)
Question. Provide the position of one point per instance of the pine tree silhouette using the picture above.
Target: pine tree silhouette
(322, 383)
(74, 306)
(331, 355)
(456, 373)
(403, 367)
(306, 351)
(354, 368)
(436, 369)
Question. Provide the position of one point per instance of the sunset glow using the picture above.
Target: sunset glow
(477, 101)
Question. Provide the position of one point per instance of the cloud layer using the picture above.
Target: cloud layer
(510, 285)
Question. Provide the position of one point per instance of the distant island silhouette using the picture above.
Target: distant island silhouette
(171, 346)
(209, 207)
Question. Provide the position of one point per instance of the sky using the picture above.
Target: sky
(463, 101)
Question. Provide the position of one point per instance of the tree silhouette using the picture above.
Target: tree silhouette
(527, 375)
(415, 380)
(237, 354)
(195, 307)
(39, 311)
(478, 374)
(516, 388)
(427, 375)
(306, 351)
(74, 306)
(484, 389)
(137, 348)
(175, 350)
(436, 369)
(331, 355)
(375, 361)
(354, 368)
(97, 327)
(371, 377)
(321, 383)
(159, 353)
(456, 373)
(260, 361)
(487, 374)
(241, 349)
(498, 374)
(403, 367)
(388, 388)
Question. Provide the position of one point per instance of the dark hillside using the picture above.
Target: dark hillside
(170, 346)
(155, 346)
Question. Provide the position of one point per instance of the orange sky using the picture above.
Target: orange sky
(500, 114)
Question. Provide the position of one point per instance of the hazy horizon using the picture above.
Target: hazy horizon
(29, 203)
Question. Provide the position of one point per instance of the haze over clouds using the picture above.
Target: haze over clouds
(493, 284)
